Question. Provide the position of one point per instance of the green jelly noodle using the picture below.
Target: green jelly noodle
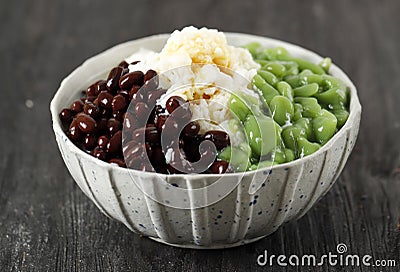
(307, 106)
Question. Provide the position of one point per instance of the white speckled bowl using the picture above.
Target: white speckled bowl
(287, 193)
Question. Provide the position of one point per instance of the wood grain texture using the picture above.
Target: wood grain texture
(46, 222)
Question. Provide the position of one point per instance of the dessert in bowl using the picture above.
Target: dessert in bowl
(278, 126)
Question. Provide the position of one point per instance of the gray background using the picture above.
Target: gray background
(46, 222)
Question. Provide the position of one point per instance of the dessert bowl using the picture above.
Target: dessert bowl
(227, 215)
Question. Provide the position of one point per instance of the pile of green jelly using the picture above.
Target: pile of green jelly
(306, 107)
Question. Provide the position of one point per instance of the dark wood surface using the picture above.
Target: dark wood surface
(48, 224)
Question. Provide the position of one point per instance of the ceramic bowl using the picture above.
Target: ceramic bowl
(238, 217)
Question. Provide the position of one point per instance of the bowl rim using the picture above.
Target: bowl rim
(354, 107)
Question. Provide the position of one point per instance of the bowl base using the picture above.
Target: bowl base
(212, 246)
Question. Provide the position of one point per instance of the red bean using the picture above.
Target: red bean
(119, 115)
(192, 154)
(118, 103)
(102, 124)
(192, 146)
(133, 90)
(102, 142)
(77, 106)
(99, 153)
(161, 119)
(105, 113)
(86, 123)
(179, 108)
(117, 161)
(139, 134)
(152, 135)
(127, 81)
(114, 145)
(206, 147)
(129, 121)
(150, 74)
(134, 154)
(157, 110)
(219, 138)
(149, 150)
(150, 81)
(90, 99)
(124, 93)
(89, 142)
(137, 96)
(219, 167)
(142, 112)
(91, 109)
(91, 90)
(105, 100)
(207, 154)
(113, 78)
(123, 64)
(173, 103)
(113, 125)
(170, 133)
(66, 116)
(191, 129)
(101, 85)
(74, 133)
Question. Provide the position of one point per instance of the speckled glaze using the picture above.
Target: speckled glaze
(288, 190)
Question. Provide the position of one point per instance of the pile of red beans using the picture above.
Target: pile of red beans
(117, 121)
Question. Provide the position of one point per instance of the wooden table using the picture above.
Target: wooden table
(48, 224)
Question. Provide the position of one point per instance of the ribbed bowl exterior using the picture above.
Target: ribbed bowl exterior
(288, 191)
